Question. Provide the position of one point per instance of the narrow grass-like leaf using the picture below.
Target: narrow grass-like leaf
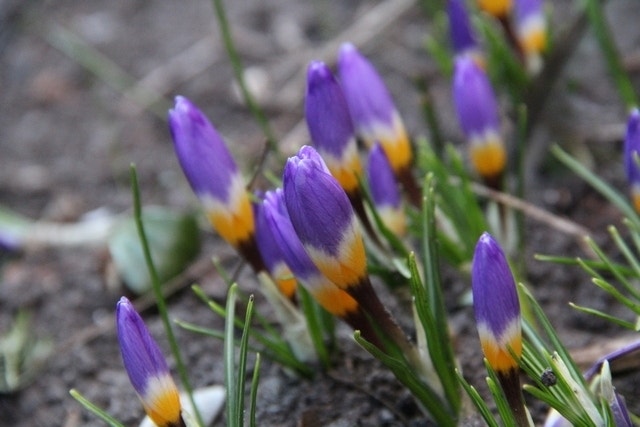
(501, 400)
(611, 290)
(254, 391)
(157, 291)
(97, 411)
(604, 316)
(242, 360)
(440, 348)
(630, 257)
(314, 326)
(236, 64)
(611, 267)
(234, 410)
(428, 398)
(477, 400)
(597, 19)
(611, 194)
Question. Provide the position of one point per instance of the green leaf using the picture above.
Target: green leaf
(174, 241)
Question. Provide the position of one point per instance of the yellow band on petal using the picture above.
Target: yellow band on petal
(348, 267)
(498, 8)
(488, 158)
(161, 401)
(335, 301)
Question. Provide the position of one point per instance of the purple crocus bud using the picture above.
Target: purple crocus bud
(531, 26)
(497, 312)
(330, 125)
(477, 109)
(147, 368)
(215, 178)
(462, 36)
(274, 220)
(498, 8)
(272, 255)
(374, 114)
(212, 172)
(631, 151)
(384, 191)
(324, 219)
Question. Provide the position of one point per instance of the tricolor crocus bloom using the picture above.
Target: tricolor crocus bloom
(497, 312)
(324, 219)
(631, 152)
(384, 191)
(330, 125)
(147, 368)
(531, 31)
(373, 112)
(477, 110)
(274, 220)
(462, 36)
(214, 177)
(271, 254)
(326, 225)
(498, 8)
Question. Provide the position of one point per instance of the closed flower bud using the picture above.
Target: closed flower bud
(147, 368)
(275, 221)
(631, 151)
(212, 172)
(330, 126)
(531, 26)
(384, 191)
(496, 306)
(324, 219)
(477, 110)
(462, 35)
(373, 112)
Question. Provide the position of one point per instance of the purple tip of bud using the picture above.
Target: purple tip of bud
(319, 208)
(525, 8)
(9, 242)
(631, 146)
(474, 99)
(495, 299)
(141, 355)
(462, 36)
(326, 111)
(275, 219)
(621, 417)
(382, 180)
(201, 151)
(367, 96)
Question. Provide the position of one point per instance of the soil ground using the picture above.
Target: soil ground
(68, 135)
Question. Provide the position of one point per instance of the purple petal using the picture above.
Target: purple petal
(141, 355)
(632, 145)
(462, 36)
(495, 299)
(474, 100)
(319, 208)
(382, 180)
(275, 219)
(369, 100)
(326, 112)
(523, 9)
(202, 153)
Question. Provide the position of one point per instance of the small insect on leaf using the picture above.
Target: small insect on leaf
(548, 378)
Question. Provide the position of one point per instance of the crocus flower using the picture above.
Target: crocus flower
(326, 225)
(274, 220)
(497, 8)
(330, 125)
(375, 116)
(531, 31)
(147, 368)
(214, 177)
(272, 255)
(497, 312)
(477, 111)
(462, 36)
(384, 191)
(323, 219)
(631, 151)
